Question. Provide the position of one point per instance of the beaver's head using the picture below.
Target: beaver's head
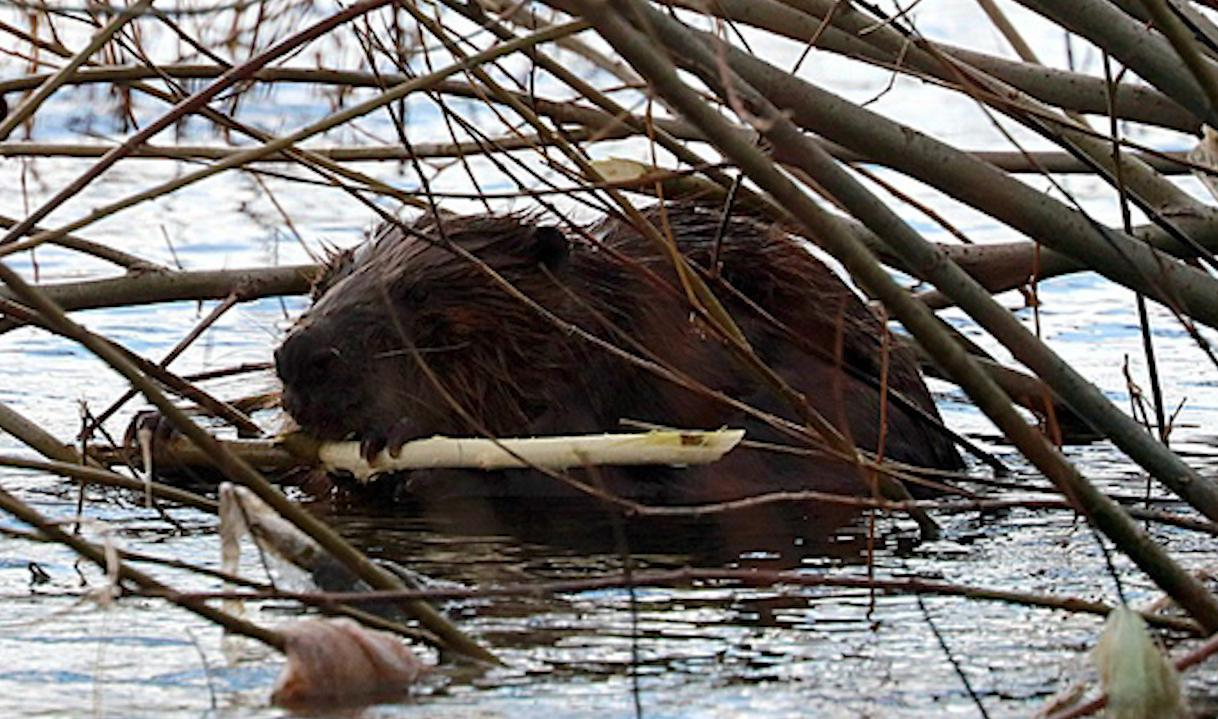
(417, 319)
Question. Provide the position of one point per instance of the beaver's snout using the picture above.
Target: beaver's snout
(304, 361)
(319, 391)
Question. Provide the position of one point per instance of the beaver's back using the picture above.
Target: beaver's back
(799, 317)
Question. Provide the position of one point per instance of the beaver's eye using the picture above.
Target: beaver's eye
(550, 247)
(417, 294)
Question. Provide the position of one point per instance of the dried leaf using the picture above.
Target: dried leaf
(337, 661)
(1140, 682)
(232, 528)
(1206, 154)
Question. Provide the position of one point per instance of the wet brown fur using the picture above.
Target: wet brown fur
(351, 365)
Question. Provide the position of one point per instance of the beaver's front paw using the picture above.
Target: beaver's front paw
(148, 426)
(402, 431)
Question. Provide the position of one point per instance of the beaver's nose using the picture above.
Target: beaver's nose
(302, 359)
(287, 359)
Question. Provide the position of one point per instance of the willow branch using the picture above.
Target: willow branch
(171, 286)
(1137, 47)
(82, 474)
(96, 249)
(917, 54)
(980, 185)
(1202, 69)
(1061, 88)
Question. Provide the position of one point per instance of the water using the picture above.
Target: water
(703, 650)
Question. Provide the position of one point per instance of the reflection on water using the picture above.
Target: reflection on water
(783, 532)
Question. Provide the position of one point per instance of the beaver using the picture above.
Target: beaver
(504, 325)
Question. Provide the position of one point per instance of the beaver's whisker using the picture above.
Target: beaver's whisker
(421, 350)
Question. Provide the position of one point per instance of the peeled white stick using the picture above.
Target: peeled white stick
(660, 447)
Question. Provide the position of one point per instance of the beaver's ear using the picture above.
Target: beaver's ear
(407, 294)
(550, 246)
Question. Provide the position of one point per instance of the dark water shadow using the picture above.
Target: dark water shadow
(777, 536)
